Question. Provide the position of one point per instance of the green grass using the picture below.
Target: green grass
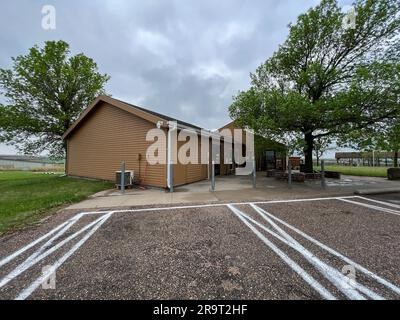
(358, 171)
(26, 197)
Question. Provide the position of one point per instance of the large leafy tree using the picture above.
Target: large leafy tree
(327, 79)
(45, 91)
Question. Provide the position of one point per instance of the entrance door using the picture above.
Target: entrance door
(270, 158)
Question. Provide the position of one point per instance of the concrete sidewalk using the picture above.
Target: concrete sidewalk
(233, 189)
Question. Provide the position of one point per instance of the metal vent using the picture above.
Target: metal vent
(129, 178)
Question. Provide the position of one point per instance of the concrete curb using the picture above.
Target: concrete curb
(376, 191)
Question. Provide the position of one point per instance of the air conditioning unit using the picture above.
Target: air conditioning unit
(129, 178)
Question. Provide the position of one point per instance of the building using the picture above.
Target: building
(269, 154)
(110, 131)
(26, 162)
(366, 158)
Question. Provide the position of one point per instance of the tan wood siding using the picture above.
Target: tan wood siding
(196, 172)
(108, 136)
(189, 173)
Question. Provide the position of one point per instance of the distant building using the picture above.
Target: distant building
(367, 158)
(18, 162)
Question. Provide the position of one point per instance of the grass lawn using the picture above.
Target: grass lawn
(26, 197)
(358, 171)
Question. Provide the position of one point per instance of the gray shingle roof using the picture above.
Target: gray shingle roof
(162, 116)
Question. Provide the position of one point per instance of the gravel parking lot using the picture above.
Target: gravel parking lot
(324, 248)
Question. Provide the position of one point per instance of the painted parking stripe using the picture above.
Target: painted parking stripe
(42, 238)
(52, 239)
(218, 205)
(59, 230)
(330, 273)
(292, 264)
(29, 290)
(33, 243)
(337, 254)
(381, 202)
(24, 266)
(370, 206)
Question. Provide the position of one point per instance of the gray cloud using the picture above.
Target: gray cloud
(182, 58)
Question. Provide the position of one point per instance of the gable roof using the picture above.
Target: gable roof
(151, 116)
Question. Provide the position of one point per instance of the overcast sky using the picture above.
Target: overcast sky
(182, 58)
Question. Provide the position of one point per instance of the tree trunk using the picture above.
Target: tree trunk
(308, 152)
(395, 159)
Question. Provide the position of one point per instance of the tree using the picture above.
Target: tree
(327, 79)
(321, 145)
(45, 92)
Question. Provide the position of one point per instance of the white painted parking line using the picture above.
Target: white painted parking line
(370, 206)
(218, 205)
(75, 218)
(28, 264)
(329, 272)
(381, 202)
(54, 238)
(337, 254)
(28, 291)
(292, 264)
(333, 275)
(33, 243)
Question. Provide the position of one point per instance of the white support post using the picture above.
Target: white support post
(170, 162)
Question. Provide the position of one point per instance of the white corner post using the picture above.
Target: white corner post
(172, 125)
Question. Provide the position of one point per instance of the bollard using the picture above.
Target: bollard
(254, 173)
(290, 173)
(323, 182)
(213, 176)
(208, 166)
(123, 177)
